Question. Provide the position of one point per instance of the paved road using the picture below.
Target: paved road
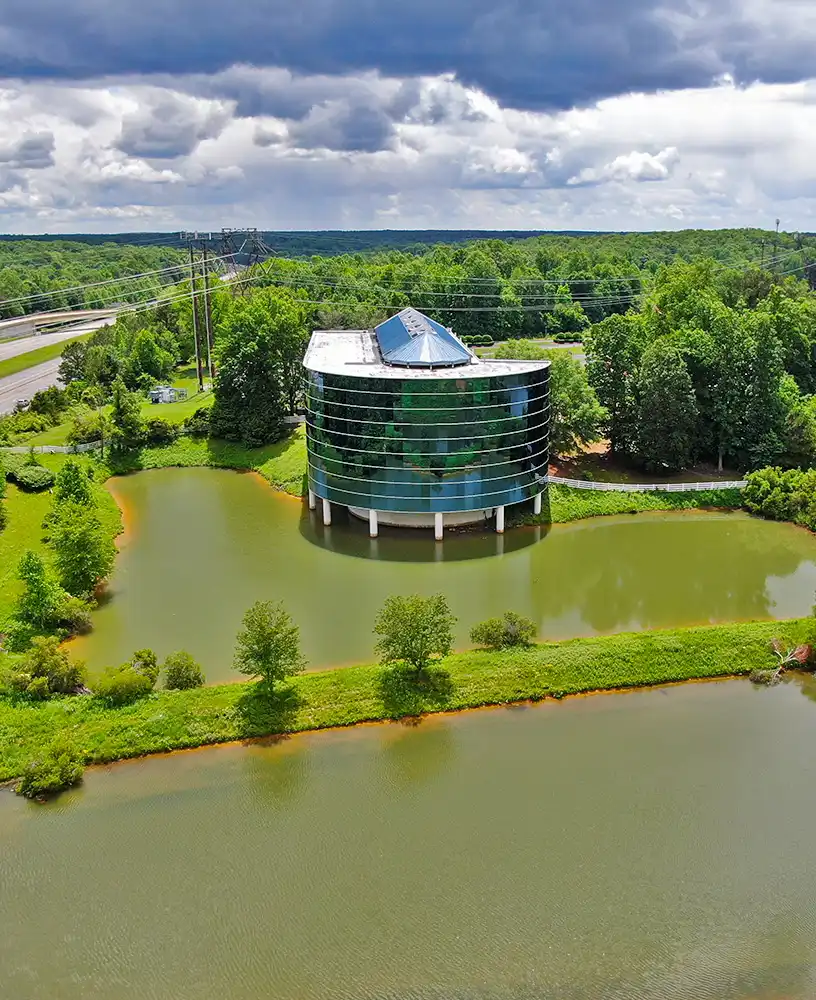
(24, 384)
(13, 348)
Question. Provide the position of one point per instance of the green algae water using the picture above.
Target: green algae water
(655, 845)
(202, 545)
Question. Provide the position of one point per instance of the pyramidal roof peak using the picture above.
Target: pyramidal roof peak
(413, 340)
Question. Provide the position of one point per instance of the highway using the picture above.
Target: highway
(13, 348)
(24, 384)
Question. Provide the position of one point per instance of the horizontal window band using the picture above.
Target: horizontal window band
(442, 391)
(365, 499)
(469, 456)
(401, 439)
(523, 473)
(310, 442)
(318, 405)
(544, 411)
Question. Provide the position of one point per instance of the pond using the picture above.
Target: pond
(202, 545)
(654, 845)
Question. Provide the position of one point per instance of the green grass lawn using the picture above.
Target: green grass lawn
(11, 366)
(24, 529)
(175, 413)
(343, 697)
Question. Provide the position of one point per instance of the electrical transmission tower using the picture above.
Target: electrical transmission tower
(200, 263)
(244, 247)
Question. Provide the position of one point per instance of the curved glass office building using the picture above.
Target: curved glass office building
(405, 425)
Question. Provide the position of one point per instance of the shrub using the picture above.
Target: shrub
(58, 767)
(33, 478)
(198, 423)
(181, 672)
(73, 615)
(146, 663)
(122, 685)
(510, 629)
(47, 669)
(159, 431)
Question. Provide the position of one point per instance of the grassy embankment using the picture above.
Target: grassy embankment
(19, 363)
(343, 697)
(565, 504)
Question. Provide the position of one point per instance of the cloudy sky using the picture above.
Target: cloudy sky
(403, 114)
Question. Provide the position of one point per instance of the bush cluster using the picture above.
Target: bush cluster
(197, 425)
(137, 678)
(510, 629)
(182, 672)
(45, 670)
(58, 767)
(33, 478)
(479, 340)
(782, 495)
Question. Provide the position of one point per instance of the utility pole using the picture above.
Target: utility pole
(776, 241)
(205, 265)
(194, 303)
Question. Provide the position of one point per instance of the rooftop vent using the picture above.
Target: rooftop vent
(412, 340)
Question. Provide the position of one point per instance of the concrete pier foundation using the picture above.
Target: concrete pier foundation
(312, 500)
(537, 503)
(326, 513)
(500, 520)
(439, 527)
(372, 523)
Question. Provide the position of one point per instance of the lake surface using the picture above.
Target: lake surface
(647, 846)
(202, 545)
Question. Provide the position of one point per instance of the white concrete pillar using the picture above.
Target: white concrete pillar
(537, 503)
(312, 500)
(326, 513)
(439, 527)
(500, 520)
(372, 523)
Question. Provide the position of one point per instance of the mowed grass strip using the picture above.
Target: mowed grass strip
(563, 503)
(19, 363)
(343, 697)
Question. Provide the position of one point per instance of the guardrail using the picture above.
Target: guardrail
(584, 484)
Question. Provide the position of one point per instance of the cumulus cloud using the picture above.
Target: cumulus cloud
(634, 166)
(379, 150)
(34, 151)
(165, 125)
(527, 55)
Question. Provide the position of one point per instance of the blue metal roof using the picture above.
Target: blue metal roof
(412, 340)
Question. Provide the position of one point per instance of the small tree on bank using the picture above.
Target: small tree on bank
(84, 553)
(127, 426)
(268, 645)
(414, 630)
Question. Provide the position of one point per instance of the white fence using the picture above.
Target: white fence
(583, 484)
(54, 449)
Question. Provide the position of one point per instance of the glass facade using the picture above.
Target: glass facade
(418, 445)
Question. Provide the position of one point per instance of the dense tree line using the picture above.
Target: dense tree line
(694, 353)
(716, 365)
(39, 276)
